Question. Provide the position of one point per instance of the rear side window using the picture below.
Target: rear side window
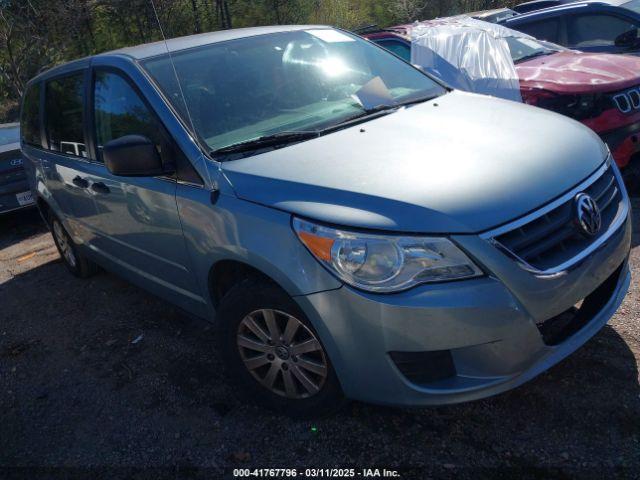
(595, 30)
(120, 111)
(64, 115)
(30, 121)
(543, 30)
(399, 48)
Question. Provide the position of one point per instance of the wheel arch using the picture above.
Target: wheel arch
(227, 273)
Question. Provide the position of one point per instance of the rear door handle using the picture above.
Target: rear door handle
(80, 182)
(100, 187)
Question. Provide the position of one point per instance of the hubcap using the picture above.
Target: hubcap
(282, 354)
(64, 244)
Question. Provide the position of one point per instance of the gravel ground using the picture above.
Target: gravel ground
(99, 378)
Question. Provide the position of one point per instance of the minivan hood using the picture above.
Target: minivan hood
(571, 72)
(461, 163)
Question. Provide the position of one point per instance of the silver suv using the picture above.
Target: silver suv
(353, 228)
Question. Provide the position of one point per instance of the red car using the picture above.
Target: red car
(600, 90)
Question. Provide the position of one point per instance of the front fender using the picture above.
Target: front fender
(258, 236)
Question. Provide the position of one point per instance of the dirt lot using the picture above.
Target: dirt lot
(104, 379)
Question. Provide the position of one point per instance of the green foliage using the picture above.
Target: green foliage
(38, 34)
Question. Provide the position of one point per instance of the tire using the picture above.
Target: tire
(75, 261)
(281, 360)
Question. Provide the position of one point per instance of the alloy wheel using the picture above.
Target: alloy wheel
(64, 243)
(282, 354)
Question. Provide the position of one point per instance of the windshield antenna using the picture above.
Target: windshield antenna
(184, 99)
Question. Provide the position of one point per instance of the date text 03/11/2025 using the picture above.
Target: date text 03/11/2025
(316, 473)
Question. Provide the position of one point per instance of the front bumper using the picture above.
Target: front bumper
(488, 325)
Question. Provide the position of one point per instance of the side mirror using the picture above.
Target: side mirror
(628, 39)
(132, 156)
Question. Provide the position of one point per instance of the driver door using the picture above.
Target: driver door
(137, 228)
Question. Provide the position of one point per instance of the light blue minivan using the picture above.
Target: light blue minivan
(352, 227)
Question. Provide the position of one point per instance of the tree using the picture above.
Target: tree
(38, 34)
(408, 10)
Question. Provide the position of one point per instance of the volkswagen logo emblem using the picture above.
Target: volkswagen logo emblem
(588, 214)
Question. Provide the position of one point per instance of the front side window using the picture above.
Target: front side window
(401, 49)
(243, 89)
(596, 30)
(544, 30)
(30, 121)
(64, 115)
(120, 111)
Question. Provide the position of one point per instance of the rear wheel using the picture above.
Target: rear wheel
(272, 351)
(72, 257)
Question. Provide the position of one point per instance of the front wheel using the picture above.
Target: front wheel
(272, 351)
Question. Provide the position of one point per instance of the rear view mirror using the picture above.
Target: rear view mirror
(132, 156)
(628, 39)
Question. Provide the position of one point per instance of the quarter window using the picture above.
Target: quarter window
(597, 30)
(30, 121)
(64, 115)
(120, 111)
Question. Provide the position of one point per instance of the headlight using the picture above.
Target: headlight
(579, 107)
(385, 263)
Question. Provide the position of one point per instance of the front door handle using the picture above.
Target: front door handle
(80, 182)
(100, 187)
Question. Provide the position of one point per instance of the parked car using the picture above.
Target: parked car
(611, 26)
(353, 227)
(600, 90)
(14, 188)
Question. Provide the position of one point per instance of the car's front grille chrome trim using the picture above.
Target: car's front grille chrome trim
(521, 249)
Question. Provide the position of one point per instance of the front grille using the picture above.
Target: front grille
(627, 101)
(555, 237)
(559, 328)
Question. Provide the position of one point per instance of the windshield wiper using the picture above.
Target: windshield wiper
(371, 112)
(285, 138)
(377, 112)
(413, 101)
(534, 55)
(280, 138)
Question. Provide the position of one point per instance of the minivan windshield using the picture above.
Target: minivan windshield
(9, 135)
(295, 81)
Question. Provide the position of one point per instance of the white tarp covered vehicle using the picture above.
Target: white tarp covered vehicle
(467, 54)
